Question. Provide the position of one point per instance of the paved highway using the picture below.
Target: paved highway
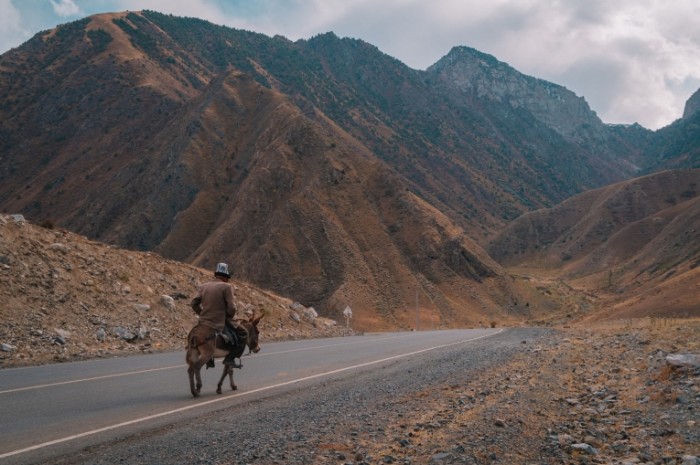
(64, 407)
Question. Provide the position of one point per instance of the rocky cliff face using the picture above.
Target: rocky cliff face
(544, 114)
(480, 76)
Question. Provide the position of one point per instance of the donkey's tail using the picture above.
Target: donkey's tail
(192, 339)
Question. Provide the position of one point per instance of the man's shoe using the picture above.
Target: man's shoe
(231, 361)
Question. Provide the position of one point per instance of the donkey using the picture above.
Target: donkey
(204, 344)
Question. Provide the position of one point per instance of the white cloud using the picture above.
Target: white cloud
(65, 8)
(203, 9)
(12, 33)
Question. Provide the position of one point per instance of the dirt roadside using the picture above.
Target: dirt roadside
(603, 395)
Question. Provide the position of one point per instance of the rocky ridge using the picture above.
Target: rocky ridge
(483, 76)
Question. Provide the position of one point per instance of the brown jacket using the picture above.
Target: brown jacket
(214, 304)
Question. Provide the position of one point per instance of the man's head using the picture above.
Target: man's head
(222, 271)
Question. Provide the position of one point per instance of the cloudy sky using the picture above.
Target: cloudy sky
(633, 60)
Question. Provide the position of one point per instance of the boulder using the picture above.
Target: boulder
(683, 360)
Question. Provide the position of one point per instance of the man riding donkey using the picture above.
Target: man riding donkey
(216, 309)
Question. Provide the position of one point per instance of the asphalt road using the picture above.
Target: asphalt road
(57, 409)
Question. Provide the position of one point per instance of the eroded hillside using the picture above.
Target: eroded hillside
(634, 245)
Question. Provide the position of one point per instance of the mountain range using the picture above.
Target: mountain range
(324, 169)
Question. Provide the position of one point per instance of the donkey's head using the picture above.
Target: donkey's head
(253, 333)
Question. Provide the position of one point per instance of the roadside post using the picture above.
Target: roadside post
(347, 313)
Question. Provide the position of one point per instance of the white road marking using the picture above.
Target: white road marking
(241, 394)
(60, 383)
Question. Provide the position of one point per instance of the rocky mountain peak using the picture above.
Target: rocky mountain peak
(481, 76)
(467, 55)
(692, 105)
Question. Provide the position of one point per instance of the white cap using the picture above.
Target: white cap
(222, 270)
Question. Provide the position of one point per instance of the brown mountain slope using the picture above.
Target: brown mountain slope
(78, 130)
(636, 244)
(204, 168)
(305, 210)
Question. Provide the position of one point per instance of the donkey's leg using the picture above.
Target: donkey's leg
(227, 370)
(205, 353)
(230, 377)
(193, 371)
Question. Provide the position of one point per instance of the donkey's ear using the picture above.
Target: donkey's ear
(256, 320)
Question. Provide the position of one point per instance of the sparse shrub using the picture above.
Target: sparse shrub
(665, 373)
(492, 324)
(48, 224)
(100, 39)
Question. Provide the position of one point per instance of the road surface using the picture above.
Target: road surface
(57, 409)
